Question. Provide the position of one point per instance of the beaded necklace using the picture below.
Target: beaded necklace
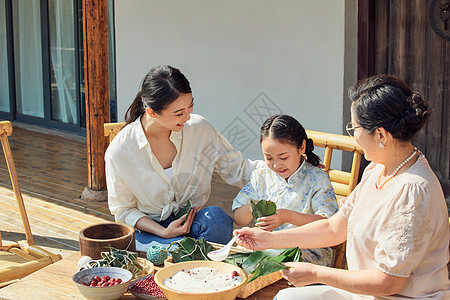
(379, 185)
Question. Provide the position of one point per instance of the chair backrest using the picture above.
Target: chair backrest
(343, 182)
(111, 129)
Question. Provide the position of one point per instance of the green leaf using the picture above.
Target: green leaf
(121, 259)
(289, 255)
(187, 244)
(191, 249)
(184, 211)
(263, 208)
(237, 258)
(260, 263)
(251, 263)
(266, 266)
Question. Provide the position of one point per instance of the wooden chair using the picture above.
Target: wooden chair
(343, 182)
(22, 258)
(111, 129)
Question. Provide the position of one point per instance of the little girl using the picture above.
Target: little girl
(292, 179)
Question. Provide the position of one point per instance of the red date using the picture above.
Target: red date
(102, 281)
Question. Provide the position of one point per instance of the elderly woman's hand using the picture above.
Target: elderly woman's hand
(299, 273)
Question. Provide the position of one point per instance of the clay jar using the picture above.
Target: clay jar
(96, 238)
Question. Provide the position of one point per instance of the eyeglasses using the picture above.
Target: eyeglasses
(350, 128)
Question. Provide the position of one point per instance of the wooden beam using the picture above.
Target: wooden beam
(95, 33)
(366, 38)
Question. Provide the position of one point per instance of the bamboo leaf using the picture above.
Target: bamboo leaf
(237, 258)
(121, 259)
(263, 208)
(260, 263)
(251, 263)
(191, 249)
(266, 266)
(187, 244)
(184, 211)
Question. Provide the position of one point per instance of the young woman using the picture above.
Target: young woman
(165, 157)
(395, 221)
(292, 179)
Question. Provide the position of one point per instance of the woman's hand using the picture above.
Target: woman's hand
(176, 229)
(253, 238)
(299, 273)
(269, 223)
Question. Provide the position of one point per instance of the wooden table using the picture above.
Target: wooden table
(55, 282)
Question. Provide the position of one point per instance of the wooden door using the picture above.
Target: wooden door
(405, 43)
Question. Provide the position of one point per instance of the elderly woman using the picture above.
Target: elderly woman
(395, 222)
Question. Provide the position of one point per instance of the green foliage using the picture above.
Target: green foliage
(263, 208)
(190, 249)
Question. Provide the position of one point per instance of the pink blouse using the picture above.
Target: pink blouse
(402, 229)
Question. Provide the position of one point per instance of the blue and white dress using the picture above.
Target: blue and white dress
(307, 191)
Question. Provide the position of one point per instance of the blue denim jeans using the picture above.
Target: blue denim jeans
(211, 223)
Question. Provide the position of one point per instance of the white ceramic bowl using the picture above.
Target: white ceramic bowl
(222, 267)
(102, 293)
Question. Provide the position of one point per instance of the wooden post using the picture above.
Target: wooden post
(95, 33)
(366, 42)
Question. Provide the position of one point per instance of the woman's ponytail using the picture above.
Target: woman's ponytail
(135, 110)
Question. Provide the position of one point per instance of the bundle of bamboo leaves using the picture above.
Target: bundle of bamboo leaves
(121, 259)
(260, 263)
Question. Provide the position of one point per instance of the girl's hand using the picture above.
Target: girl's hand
(269, 223)
(253, 238)
(299, 273)
(176, 229)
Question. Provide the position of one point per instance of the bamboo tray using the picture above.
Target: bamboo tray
(149, 268)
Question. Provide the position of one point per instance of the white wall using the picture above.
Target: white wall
(241, 57)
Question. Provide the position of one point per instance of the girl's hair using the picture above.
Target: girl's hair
(386, 101)
(160, 87)
(287, 129)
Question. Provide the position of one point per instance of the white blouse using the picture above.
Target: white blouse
(138, 186)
